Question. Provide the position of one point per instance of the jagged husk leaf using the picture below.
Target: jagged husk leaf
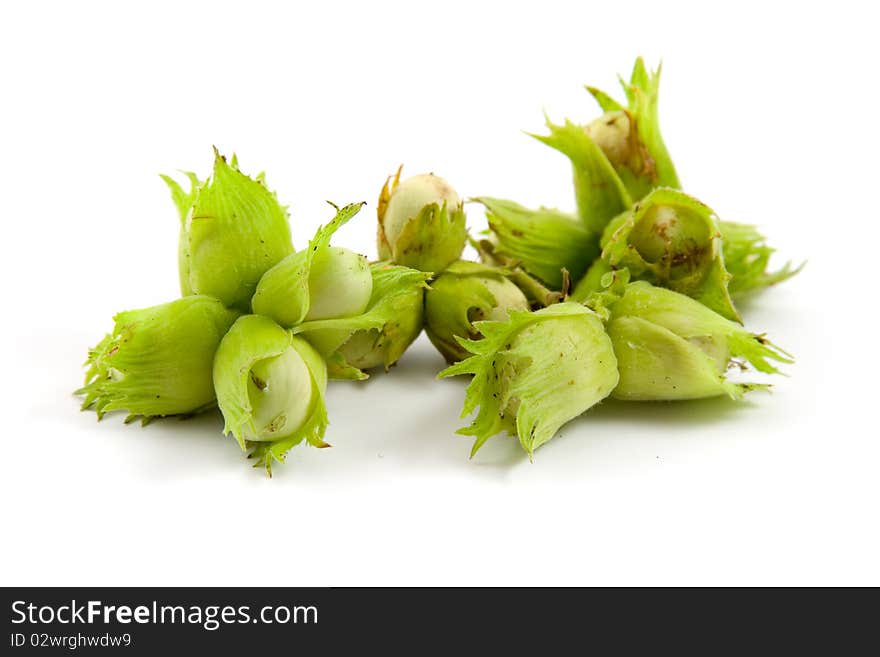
(394, 314)
(458, 299)
(645, 163)
(599, 191)
(432, 240)
(251, 339)
(158, 360)
(183, 201)
(545, 242)
(606, 102)
(670, 346)
(642, 95)
(603, 188)
(669, 239)
(283, 291)
(234, 232)
(535, 372)
(382, 245)
(747, 258)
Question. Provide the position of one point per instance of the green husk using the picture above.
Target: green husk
(463, 295)
(535, 372)
(648, 164)
(380, 335)
(183, 201)
(251, 340)
(283, 293)
(668, 239)
(429, 241)
(620, 157)
(671, 347)
(546, 243)
(747, 258)
(234, 230)
(599, 191)
(158, 360)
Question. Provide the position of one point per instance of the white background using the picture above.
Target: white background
(770, 111)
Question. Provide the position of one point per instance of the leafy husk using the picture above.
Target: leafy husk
(283, 292)
(535, 372)
(234, 231)
(158, 360)
(546, 243)
(394, 315)
(251, 339)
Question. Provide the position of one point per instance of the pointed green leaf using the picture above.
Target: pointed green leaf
(606, 102)
(747, 258)
(643, 93)
(183, 200)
